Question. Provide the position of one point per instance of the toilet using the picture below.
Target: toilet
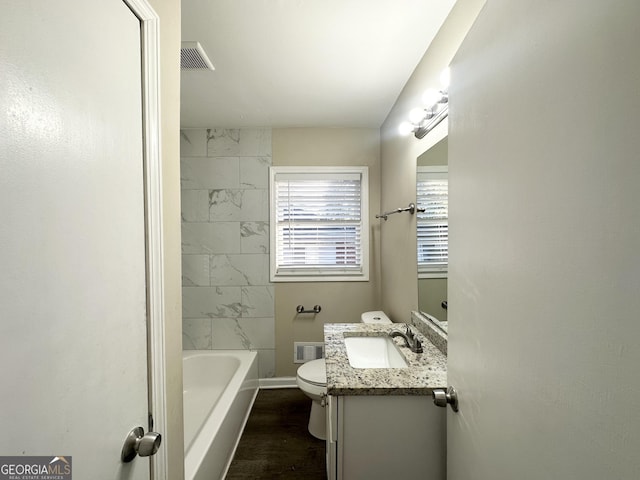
(312, 380)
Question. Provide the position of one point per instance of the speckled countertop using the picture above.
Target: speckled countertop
(426, 371)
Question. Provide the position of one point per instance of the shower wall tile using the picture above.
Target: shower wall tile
(195, 205)
(209, 173)
(255, 206)
(200, 302)
(267, 363)
(261, 331)
(229, 335)
(193, 142)
(242, 205)
(227, 297)
(243, 333)
(254, 266)
(245, 142)
(258, 301)
(196, 334)
(225, 205)
(223, 272)
(251, 269)
(254, 237)
(219, 237)
(254, 172)
(195, 270)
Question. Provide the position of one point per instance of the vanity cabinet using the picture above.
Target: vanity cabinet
(385, 436)
(381, 422)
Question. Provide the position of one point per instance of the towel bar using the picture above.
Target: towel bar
(411, 208)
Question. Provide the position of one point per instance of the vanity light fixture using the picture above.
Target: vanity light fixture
(424, 119)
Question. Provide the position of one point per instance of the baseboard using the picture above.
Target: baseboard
(277, 382)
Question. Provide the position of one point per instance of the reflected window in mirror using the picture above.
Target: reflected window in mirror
(433, 221)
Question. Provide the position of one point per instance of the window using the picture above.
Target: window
(433, 222)
(319, 224)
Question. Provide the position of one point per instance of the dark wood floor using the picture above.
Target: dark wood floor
(276, 443)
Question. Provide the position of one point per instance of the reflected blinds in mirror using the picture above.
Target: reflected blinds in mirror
(433, 221)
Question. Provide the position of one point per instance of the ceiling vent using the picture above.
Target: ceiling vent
(193, 57)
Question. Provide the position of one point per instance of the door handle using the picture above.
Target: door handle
(442, 398)
(139, 443)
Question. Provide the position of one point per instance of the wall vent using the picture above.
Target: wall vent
(193, 57)
(305, 351)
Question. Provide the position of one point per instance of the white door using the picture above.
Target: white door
(544, 277)
(73, 355)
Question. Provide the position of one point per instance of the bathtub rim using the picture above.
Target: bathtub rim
(196, 454)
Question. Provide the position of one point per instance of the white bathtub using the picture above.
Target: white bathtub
(219, 390)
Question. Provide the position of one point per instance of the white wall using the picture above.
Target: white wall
(545, 226)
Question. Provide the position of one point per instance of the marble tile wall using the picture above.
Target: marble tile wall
(227, 298)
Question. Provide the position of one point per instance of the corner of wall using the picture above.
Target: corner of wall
(169, 14)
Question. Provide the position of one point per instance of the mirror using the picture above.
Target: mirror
(432, 232)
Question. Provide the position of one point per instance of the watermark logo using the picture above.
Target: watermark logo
(35, 468)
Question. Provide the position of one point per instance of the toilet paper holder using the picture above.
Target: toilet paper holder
(316, 309)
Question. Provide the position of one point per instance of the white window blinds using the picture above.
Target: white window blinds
(433, 222)
(318, 226)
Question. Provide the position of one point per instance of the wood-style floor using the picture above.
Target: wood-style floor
(276, 443)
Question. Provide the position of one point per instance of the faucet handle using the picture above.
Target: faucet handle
(410, 333)
(418, 346)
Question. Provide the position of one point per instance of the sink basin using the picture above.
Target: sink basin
(373, 352)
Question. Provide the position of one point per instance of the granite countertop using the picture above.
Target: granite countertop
(426, 371)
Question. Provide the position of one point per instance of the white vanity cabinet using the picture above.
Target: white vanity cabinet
(381, 422)
(385, 436)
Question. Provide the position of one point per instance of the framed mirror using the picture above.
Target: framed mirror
(432, 232)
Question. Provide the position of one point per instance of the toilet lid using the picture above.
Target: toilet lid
(314, 372)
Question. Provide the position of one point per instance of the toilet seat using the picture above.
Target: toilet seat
(314, 372)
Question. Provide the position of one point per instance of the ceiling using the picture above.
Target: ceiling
(303, 63)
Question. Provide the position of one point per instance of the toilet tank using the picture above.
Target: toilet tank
(375, 316)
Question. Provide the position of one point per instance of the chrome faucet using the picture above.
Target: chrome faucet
(410, 339)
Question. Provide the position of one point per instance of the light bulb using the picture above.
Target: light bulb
(445, 78)
(416, 115)
(431, 97)
(405, 128)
